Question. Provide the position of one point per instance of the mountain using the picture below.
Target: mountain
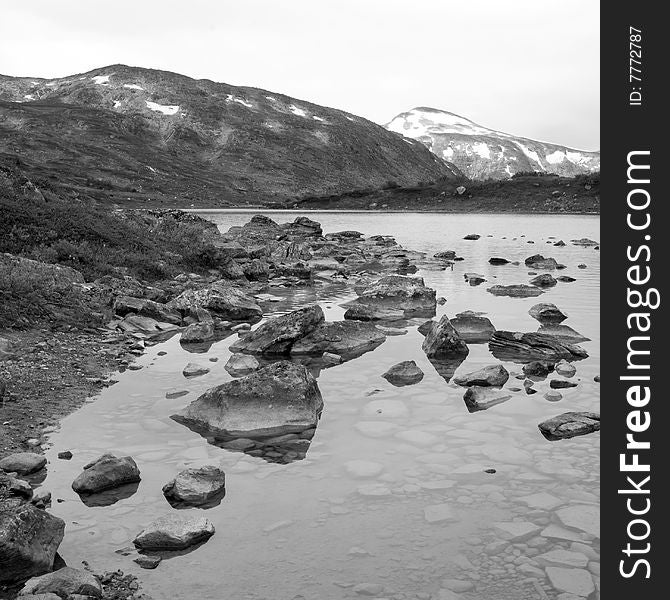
(147, 137)
(483, 153)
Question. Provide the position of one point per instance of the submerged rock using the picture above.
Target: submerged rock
(443, 341)
(515, 290)
(526, 347)
(29, 539)
(344, 338)
(538, 368)
(175, 531)
(106, 472)
(492, 375)
(545, 312)
(277, 399)
(566, 369)
(64, 583)
(278, 335)
(474, 278)
(570, 424)
(196, 487)
(472, 327)
(553, 396)
(404, 373)
(482, 398)
(241, 364)
(23, 463)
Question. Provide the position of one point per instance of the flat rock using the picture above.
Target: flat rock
(492, 375)
(221, 299)
(404, 373)
(345, 338)
(563, 558)
(278, 399)
(516, 531)
(106, 472)
(65, 583)
(23, 463)
(559, 384)
(397, 293)
(196, 487)
(573, 581)
(526, 347)
(472, 327)
(175, 531)
(570, 424)
(584, 517)
(515, 290)
(194, 370)
(563, 333)
(474, 278)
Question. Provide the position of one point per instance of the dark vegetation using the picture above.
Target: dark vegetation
(523, 193)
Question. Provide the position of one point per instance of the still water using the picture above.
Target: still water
(420, 512)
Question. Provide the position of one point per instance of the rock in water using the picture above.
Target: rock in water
(106, 472)
(277, 399)
(563, 333)
(480, 398)
(472, 327)
(474, 278)
(196, 487)
(174, 532)
(443, 341)
(494, 260)
(545, 312)
(198, 332)
(408, 296)
(472, 236)
(537, 261)
(278, 335)
(570, 424)
(515, 291)
(525, 347)
(404, 373)
(29, 539)
(493, 375)
(64, 583)
(424, 328)
(23, 463)
(194, 370)
(241, 364)
(566, 369)
(538, 368)
(558, 384)
(544, 280)
(220, 299)
(344, 338)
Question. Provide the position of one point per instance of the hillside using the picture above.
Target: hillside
(482, 153)
(142, 137)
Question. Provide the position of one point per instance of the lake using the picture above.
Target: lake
(392, 499)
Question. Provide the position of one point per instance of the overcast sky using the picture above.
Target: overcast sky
(527, 67)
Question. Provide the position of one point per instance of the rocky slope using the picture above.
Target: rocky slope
(131, 134)
(483, 153)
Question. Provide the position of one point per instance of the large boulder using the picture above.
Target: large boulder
(570, 424)
(124, 305)
(302, 227)
(176, 531)
(106, 472)
(278, 335)
(545, 312)
(404, 373)
(348, 339)
(515, 290)
(277, 399)
(221, 300)
(526, 347)
(443, 341)
(197, 332)
(23, 463)
(196, 487)
(29, 539)
(472, 327)
(64, 583)
(399, 293)
(492, 375)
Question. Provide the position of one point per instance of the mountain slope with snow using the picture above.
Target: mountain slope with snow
(483, 153)
(134, 135)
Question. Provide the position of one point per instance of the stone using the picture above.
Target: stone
(554, 531)
(526, 347)
(280, 398)
(443, 341)
(196, 487)
(194, 370)
(221, 299)
(563, 333)
(482, 398)
(198, 332)
(65, 455)
(29, 539)
(277, 336)
(175, 531)
(537, 261)
(586, 242)
(125, 305)
(474, 278)
(404, 373)
(516, 531)
(23, 463)
(472, 327)
(345, 338)
(553, 396)
(583, 517)
(106, 472)
(239, 365)
(472, 236)
(515, 290)
(65, 583)
(565, 369)
(537, 368)
(438, 513)
(498, 261)
(570, 424)
(544, 280)
(559, 384)
(148, 562)
(573, 581)
(492, 375)
(546, 312)
(397, 293)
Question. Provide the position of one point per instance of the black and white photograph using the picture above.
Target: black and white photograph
(300, 300)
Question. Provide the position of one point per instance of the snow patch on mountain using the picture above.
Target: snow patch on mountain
(529, 153)
(231, 98)
(133, 86)
(166, 110)
(100, 79)
(481, 149)
(297, 111)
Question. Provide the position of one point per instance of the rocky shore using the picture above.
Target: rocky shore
(272, 407)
